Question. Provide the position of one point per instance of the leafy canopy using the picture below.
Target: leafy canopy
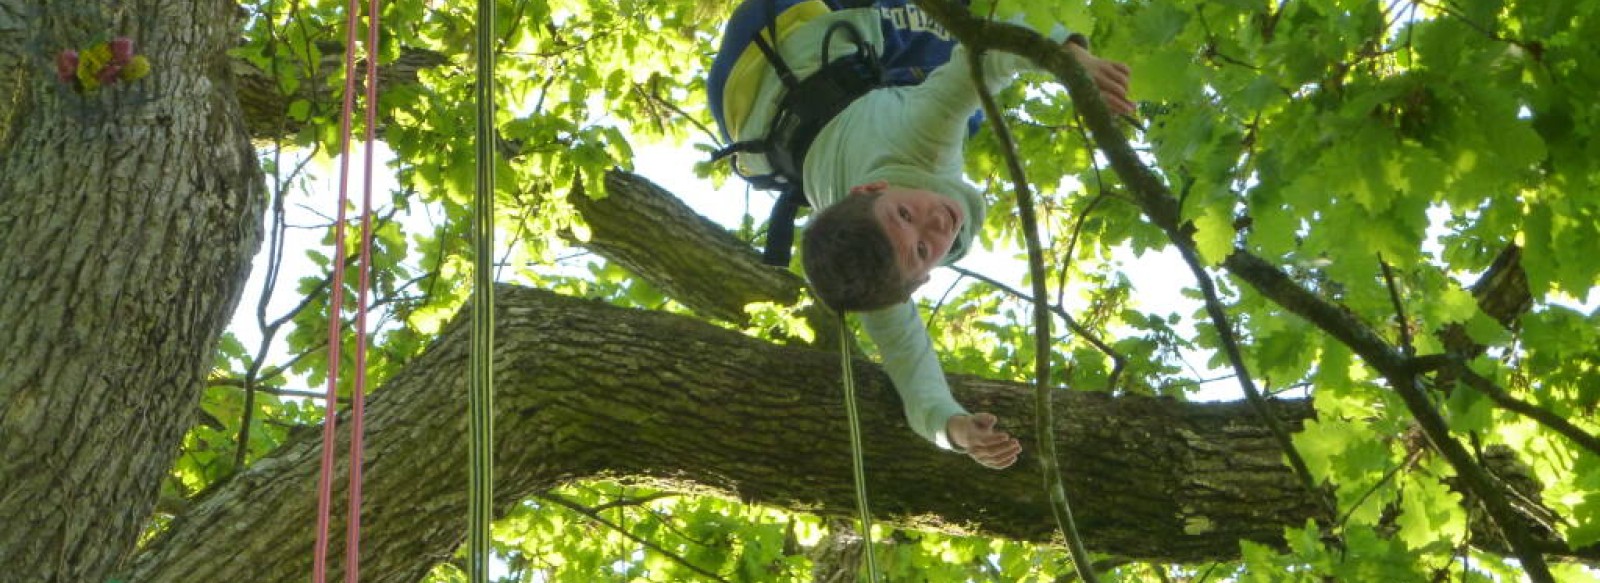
(1324, 135)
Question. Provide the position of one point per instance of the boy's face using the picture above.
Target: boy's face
(920, 224)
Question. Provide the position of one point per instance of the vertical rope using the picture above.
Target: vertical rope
(480, 387)
(857, 465)
(358, 395)
(335, 305)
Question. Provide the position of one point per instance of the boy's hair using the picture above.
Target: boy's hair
(850, 261)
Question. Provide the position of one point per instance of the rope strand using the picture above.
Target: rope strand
(358, 395)
(480, 397)
(857, 465)
(335, 306)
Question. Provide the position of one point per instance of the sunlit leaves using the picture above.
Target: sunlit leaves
(1323, 135)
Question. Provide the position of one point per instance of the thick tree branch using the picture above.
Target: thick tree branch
(638, 225)
(590, 390)
(653, 234)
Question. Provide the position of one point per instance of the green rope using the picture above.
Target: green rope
(857, 465)
(480, 387)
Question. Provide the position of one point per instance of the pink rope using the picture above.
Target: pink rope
(335, 305)
(358, 396)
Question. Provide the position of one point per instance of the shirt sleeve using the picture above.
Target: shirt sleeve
(908, 357)
(938, 108)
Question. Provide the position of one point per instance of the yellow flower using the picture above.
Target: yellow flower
(90, 61)
(135, 69)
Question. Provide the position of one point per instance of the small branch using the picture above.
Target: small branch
(1117, 360)
(1399, 309)
(1387, 476)
(715, 139)
(938, 306)
(1101, 565)
(1506, 401)
(1473, 475)
(1045, 420)
(234, 383)
(1230, 346)
(594, 515)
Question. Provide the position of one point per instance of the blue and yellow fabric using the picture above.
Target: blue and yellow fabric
(913, 44)
(736, 72)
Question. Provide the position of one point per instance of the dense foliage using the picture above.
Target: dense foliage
(1337, 139)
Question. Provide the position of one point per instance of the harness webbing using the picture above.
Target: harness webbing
(807, 106)
(480, 390)
(336, 303)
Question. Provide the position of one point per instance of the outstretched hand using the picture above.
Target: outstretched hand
(986, 445)
(1110, 76)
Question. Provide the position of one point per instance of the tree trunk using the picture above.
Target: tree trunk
(128, 217)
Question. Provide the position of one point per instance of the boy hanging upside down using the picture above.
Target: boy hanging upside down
(885, 177)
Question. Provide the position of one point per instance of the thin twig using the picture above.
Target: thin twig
(1399, 308)
(937, 306)
(1043, 390)
(1117, 360)
(715, 139)
(1230, 347)
(1506, 401)
(1410, 460)
(595, 516)
(236, 383)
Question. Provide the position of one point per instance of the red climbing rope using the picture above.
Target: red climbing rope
(336, 303)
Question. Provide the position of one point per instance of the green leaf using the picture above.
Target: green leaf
(1213, 237)
(1449, 306)
(1431, 516)
(1469, 410)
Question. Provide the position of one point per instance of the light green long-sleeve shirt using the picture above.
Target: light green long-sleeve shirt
(908, 136)
(911, 137)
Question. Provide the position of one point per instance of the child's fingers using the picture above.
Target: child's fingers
(1110, 78)
(1117, 103)
(1000, 455)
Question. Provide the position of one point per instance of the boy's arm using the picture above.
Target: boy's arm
(908, 357)
(936, 110)
(930, 409)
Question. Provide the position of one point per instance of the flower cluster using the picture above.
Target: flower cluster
(101, 65)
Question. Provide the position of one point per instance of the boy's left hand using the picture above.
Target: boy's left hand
(1110, 76)
(983, 441)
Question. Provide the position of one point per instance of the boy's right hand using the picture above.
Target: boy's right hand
(976, 434)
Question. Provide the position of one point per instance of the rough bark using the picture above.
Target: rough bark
(588, 390)
(127, 218)
(651, 233)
